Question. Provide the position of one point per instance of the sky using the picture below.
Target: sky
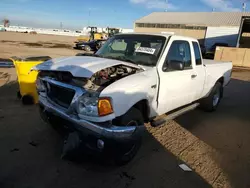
(76, 14)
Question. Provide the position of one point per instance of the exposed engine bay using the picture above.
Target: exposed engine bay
(98, 81)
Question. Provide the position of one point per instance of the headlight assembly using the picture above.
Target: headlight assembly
(87, 104)
(90, 104)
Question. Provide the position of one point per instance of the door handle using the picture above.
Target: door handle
(193, 75)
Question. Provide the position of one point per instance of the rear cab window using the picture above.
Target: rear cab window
(197, 53)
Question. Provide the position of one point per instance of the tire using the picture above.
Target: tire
(87, 48)
(211, 102)
(128, 151)
(27, 100)
(53, 122)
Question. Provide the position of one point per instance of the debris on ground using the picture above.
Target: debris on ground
(6, 63)
(32, 143)
(185, 168)
(125, 174)
(14, 149)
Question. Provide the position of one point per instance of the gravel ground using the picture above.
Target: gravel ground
(214, 145)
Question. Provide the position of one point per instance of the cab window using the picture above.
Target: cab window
(179, 52)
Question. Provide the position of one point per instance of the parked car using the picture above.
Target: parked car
(211, 52)
(105, 98)
(2, 29)
(92, 45)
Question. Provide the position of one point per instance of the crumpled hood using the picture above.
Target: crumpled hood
(80, 66)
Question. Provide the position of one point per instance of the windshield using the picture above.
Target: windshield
(137, 49)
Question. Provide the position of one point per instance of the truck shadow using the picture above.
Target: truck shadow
(226, 132)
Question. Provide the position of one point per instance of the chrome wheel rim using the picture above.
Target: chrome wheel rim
(87, 48)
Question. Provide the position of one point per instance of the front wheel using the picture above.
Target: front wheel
(87, 48)
(211, 102)
(128, 151)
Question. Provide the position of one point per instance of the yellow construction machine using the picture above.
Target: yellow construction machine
(93, 35)
(112, 31)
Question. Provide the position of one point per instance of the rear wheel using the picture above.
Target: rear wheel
(27, 100)
(128, 151)
(211, 102)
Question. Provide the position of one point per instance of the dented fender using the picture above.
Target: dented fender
(126, 92)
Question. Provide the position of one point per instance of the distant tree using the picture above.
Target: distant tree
(6, 22)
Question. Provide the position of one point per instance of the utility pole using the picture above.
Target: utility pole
(61, 25)
(244, 5)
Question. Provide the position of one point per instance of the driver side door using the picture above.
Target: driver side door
(176, 89)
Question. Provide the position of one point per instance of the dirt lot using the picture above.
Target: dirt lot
(214, 145)
(25, 44)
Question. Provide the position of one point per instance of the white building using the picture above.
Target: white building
(208, 27)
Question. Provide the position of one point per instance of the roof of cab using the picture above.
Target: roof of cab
(164, 34)
(155, 34)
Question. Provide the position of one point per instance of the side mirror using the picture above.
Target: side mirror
(176, 65)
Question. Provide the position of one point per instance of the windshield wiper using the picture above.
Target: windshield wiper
(126, 59)
(146, 64)
(120, 58)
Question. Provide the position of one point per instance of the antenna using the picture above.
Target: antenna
(166, 6)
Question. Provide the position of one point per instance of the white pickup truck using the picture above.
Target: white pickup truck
(105, 98)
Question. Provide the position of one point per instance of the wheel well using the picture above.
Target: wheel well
(221, 80)
(143, 107)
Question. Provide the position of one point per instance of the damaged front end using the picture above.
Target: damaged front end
(77, 103)
(82, 94)
(97, 82)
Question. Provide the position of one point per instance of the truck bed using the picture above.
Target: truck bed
(215, 70)
(209, 62)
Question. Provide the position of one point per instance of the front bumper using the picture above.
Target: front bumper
(111, 132)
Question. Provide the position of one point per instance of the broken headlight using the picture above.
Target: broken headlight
(87, 104)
